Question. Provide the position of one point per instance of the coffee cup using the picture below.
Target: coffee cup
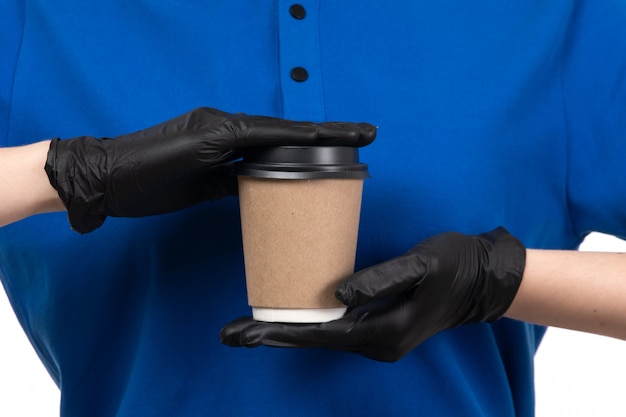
(300, 210)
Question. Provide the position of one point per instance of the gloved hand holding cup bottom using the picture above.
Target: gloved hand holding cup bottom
(443, 282)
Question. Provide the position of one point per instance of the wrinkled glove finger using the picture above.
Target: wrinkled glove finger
(346, 134)
(247, 332)
(266, 131)
(381, 281)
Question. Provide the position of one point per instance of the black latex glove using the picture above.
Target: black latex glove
(443, 282)
(175, 164)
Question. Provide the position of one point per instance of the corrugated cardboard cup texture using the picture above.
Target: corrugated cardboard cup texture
(299, 239)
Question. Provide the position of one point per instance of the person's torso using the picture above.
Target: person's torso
(471, 136)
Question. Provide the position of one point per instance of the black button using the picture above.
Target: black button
(299, 74)
(297, 11)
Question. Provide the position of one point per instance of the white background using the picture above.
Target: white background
(577, 374)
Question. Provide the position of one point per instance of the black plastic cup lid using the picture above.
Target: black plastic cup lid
(302, 162)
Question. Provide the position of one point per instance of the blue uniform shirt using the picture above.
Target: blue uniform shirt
(490, 113)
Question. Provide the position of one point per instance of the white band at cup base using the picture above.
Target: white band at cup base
(297, 315)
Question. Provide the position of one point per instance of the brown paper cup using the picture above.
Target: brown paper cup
(299, 240)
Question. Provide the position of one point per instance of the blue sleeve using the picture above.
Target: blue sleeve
(11, 25)
(594, 88)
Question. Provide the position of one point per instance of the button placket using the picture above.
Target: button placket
(298, 74)
(299, 60)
